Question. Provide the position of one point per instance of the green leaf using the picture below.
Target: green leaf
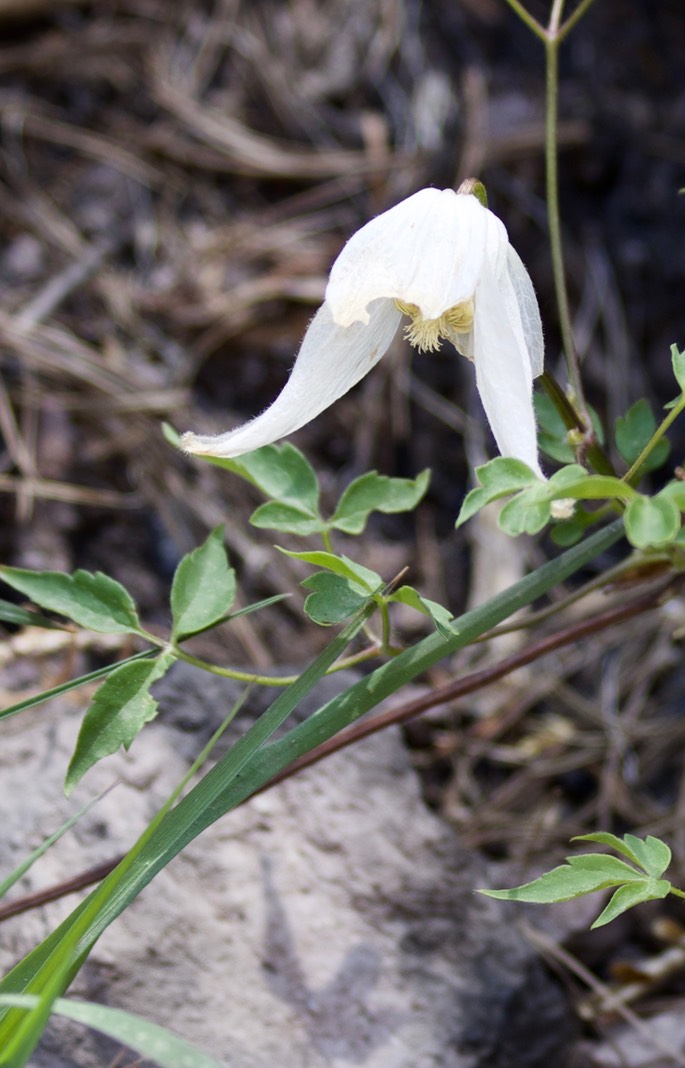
(634, 430)
(288, 518)
(143, 1037)
(553, 432)
(279, 471)
(22, 617)
(591, 487)
(526, 513)
(118, 712)
(203, 588)
(626, 897)
(651, 522)
(284, 474)
(653, 854)
(570, 531)
(92, 600)
(678, 361)
(498, 478)
(567, 476)
(440, 615)
(367, 580)
(504, 475)
(649, 853)
(582, 875)
(603, 863)
(334, 599)
(374, 492)
(674, 491)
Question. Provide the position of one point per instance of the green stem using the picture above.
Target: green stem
(555, 18)
(573, 421)
(554, 222)
(573, 19)
(385, 625)
(327, 541)
(525, 16)
(273, 680)
(630, 476)
(371, 651)
(677, 892)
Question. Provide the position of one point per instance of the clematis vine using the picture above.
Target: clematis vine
(441, 262)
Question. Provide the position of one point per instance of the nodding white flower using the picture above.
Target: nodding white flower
(442, 261)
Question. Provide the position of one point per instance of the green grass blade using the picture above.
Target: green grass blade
(148, 1039)
(57, 691)
(22, 868)
(22, 617)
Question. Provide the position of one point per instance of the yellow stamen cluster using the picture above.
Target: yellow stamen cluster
(426, 334)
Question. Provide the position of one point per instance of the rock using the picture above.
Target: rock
(330, 921)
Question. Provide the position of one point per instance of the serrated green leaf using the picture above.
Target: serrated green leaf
(440, 615)
(626, 897)
(334, 599)
(633, 432)
(143, 1037)
(377, 493)
(203, 588)
(94, 601)
(118, 712)
(367, 580)
(678, 363)
(651, 522)
(288, 518)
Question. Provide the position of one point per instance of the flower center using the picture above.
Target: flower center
(426, 334)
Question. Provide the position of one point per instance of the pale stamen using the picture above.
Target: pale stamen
(426, 334)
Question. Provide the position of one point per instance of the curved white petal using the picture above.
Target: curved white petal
(528, 309)
(331, 360)
(428, 250)
(503, 369)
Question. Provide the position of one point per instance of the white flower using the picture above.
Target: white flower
(444, 262)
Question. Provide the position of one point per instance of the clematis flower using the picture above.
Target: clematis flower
(441, 262)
